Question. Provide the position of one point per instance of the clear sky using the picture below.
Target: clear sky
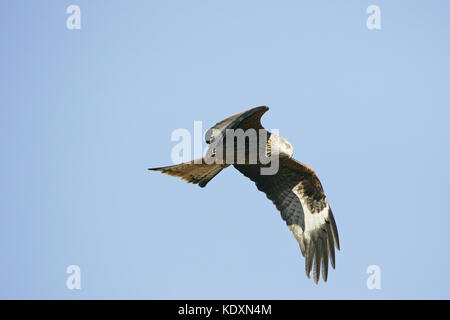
(84, 112)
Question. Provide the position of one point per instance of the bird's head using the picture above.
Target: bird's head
(286, 148)
(280, 144)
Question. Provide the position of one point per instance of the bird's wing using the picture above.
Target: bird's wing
(195, 171)
(245, 120)
(199, 172)
(298, 195)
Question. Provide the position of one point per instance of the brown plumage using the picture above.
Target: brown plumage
(295, 189)
(193, 172)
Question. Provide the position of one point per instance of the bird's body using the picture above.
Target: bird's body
(293, 187)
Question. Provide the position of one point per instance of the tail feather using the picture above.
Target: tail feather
(198, 173)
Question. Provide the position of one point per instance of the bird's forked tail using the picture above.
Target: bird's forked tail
(195, 171)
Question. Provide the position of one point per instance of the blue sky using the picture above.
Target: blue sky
(85, 112)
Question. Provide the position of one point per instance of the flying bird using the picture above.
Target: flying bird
(294, 188)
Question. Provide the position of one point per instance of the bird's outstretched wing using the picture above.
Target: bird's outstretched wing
(298, 195)
(249, 119)
(201, 172)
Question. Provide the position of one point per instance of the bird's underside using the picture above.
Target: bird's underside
(294, 189)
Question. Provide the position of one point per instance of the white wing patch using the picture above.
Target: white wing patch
(313, 221)
(317, 240)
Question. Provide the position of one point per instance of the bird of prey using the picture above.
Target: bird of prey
(294, 189)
